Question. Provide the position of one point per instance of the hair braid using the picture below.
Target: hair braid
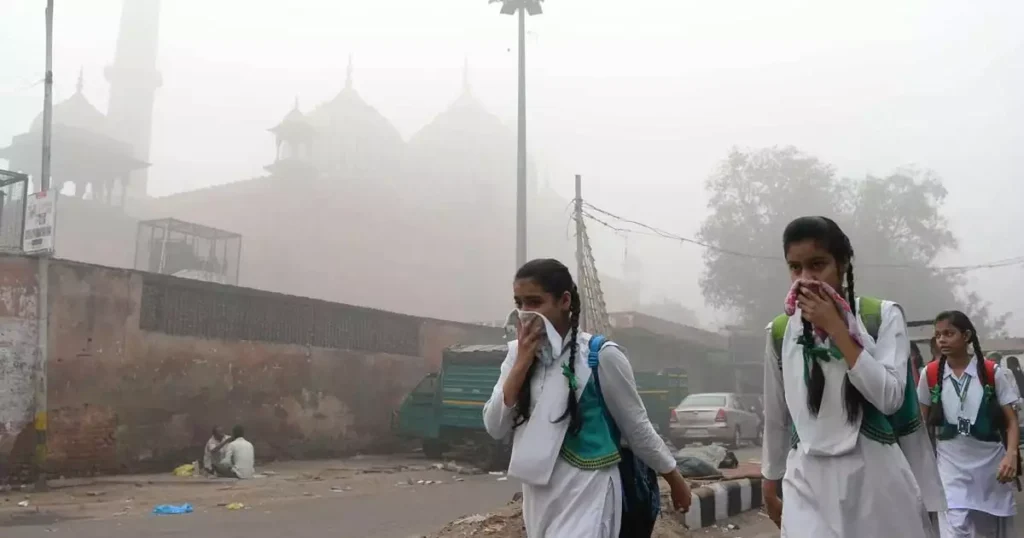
(998, 419)
(522, 411)
(572, 406)
(853, 400)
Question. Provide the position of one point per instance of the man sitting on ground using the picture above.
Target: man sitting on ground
(239, 457)
(214, 450)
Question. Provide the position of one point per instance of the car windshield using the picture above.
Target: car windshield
(704, 400)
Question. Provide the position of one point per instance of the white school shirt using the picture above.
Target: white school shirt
(968, 466)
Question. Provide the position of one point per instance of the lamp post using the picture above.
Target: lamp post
(522, 8)
(44, 169)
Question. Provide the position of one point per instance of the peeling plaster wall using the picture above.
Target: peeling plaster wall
(19, 360)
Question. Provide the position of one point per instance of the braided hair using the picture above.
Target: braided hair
(962, 323)
(829, 236)
(553, 277)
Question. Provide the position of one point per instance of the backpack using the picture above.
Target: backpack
(982, 428)
(641, 497)
(907, 419)
(932, 375)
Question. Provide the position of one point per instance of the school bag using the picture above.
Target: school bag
(907, 419)
(641, 497)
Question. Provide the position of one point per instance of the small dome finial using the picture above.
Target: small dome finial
(465, 75)
(81, 80)
(296, 102)
(348, 74)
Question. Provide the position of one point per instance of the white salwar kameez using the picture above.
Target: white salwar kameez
(978, 504)
(576, 503)
(838, 483)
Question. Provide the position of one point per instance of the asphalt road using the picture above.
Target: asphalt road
(381, 504)
(346, 504)
(384, 513)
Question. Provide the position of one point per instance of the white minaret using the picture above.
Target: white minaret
(134, 80)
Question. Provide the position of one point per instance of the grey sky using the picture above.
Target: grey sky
(641, 97)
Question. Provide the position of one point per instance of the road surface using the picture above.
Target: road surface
(368, 498)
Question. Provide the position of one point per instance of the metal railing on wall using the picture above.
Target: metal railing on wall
(13, 196)
(183, 307)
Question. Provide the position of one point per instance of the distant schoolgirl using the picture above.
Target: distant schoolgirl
(970, 402)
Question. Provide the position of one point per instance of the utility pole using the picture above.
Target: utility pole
(521, 8)
(578, 212)
(43, 278)
(44, 169)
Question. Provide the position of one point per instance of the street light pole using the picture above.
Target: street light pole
(521, 8)
(521, 147)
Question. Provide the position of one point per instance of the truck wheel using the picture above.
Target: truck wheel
(433, 449)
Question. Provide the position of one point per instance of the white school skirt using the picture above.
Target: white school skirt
(868, 493)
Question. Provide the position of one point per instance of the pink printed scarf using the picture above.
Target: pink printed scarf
(844, 307)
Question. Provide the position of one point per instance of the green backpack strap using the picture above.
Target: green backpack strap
(778, 335)
(870, 311)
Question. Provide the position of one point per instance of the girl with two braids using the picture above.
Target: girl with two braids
(840, 432)
(969, 401)
(562, 418)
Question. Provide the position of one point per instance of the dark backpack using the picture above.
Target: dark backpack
(641, 498)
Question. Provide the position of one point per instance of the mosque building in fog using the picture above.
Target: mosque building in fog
(347, 211)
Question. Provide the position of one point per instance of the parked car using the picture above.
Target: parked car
(723, 417)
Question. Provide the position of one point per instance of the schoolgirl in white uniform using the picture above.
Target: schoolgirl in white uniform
(828, 443)
(970, 402)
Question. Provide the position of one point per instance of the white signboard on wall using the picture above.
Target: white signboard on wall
(40, 223)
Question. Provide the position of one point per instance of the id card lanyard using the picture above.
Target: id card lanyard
(963, 423)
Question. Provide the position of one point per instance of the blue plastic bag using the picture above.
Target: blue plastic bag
(170, 509)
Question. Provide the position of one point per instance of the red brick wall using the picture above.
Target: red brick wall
(126, 399)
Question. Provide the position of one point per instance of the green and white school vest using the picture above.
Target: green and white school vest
(593, 447)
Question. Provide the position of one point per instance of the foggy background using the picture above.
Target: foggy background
(643, 98)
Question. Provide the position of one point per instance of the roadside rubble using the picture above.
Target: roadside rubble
(508, 523)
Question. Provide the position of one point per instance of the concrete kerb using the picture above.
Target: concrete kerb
(716, 502)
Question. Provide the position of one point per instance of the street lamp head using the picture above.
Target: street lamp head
(511, 7)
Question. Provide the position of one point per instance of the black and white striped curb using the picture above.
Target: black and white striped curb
(716, 502)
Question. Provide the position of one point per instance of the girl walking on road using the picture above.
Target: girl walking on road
(578, 424)
(833, 394)
(970, 402)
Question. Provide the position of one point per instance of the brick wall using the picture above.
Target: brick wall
(142, 366)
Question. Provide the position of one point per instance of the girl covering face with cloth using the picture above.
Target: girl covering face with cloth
(574, 427)
(969, 401)
(833, 394)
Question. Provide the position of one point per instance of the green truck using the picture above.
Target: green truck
(445, 410)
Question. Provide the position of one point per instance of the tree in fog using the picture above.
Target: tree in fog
(894, 222)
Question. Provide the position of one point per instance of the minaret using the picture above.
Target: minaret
(133, 83)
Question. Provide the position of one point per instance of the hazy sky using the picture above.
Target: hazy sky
(642, 97)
